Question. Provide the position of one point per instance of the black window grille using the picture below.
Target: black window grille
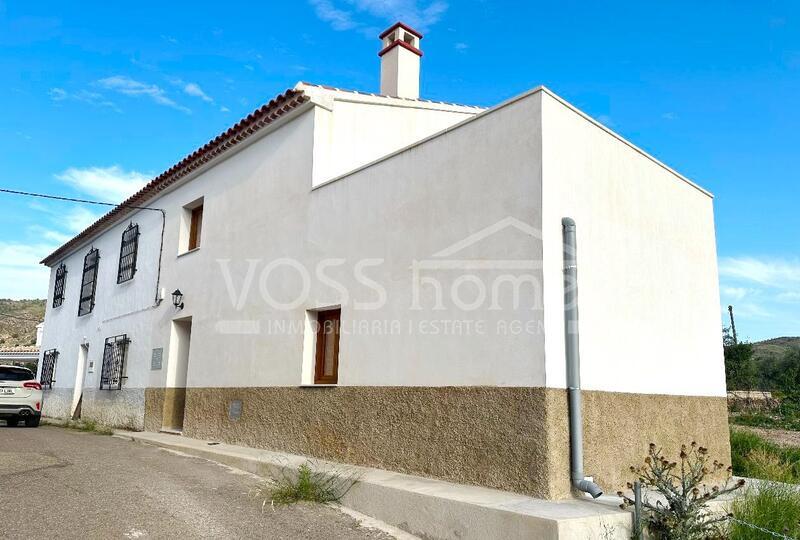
(58, 288)
(114, 354)
(48, 368)
(127, 253)
(89, 282)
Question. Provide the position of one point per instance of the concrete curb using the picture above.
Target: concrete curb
(423, 506)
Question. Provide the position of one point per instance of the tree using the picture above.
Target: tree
(739, 368)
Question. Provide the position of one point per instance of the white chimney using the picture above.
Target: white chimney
(400, 54)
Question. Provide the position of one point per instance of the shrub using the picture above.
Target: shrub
(685, 515)
(305, 485)
(773, 507)
(753, 456)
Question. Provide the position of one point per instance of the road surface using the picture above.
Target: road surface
(56, 482)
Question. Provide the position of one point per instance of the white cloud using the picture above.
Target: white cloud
(735, 293)
(337, 18)
(79, 218)
(107, 184)
(669, 116)
(85, 96)
(58, 94)
(21, 275)
(772, 272)
(194, 89)
(461, 47)
(764, 291)
(224, 109)
(131, 87)
(367, 16)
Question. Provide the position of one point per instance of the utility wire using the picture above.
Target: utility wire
(100, 203)
(71, 199)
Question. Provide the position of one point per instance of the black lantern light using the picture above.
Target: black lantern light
(177, 299)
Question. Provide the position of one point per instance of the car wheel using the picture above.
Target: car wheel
(32, 421)
(12, 422)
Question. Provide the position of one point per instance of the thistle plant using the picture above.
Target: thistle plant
(684, 515)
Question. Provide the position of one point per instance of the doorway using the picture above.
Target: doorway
(177, 368)
(80, 378)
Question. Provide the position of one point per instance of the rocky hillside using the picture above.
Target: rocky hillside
(18, 320)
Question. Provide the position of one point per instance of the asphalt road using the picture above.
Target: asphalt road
(60, 483)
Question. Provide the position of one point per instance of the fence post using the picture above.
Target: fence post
(637, 510)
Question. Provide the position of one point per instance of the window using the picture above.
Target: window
(89, 282)
(326, 368)
(195, 227)
(16, 374)
(58, 288)
(127, 253)
(48, 368)
(112, 375)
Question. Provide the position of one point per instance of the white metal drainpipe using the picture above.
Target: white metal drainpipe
(579, 481)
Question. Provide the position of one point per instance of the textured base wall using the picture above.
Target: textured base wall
(154, 409)
(478, 435)
(57, 402)
(117, 408)
(515, 439)
(618, 428)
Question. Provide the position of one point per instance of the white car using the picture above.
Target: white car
(20, 396)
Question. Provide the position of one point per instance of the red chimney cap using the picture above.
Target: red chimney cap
(397, 25)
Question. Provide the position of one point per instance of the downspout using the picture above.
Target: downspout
(579, 481)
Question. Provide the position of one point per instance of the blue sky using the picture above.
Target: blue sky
(95, 99)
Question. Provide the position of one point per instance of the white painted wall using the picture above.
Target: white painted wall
(647, 269)
(258, 207)
(119, 308)
(472, 195)
(353, 130)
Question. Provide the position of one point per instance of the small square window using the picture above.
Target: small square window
(195, 227)
(326, 365)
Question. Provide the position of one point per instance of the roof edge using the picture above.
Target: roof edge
(625, 141)
(277, 108)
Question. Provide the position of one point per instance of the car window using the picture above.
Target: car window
(15, 374)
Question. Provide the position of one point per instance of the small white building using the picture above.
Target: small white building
(379, 279)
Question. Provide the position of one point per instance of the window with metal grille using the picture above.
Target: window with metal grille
(89, 282)
(127, 253)
(58, 288)
(114, 354)
(48, 368)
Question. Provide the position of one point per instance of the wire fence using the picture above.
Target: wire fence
(761, 529)
(638, 521)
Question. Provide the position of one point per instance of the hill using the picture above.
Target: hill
(775, 347)
(18, 320)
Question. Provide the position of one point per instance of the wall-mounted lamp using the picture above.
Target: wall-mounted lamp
(177, 299)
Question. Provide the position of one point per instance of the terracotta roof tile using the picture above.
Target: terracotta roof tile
(16, 350)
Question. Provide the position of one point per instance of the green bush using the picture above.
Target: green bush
(755, 457)
(773, 507)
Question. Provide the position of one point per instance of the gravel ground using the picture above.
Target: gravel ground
(61, 483)
(781, 437)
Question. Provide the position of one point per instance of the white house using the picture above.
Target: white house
(379, 279)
